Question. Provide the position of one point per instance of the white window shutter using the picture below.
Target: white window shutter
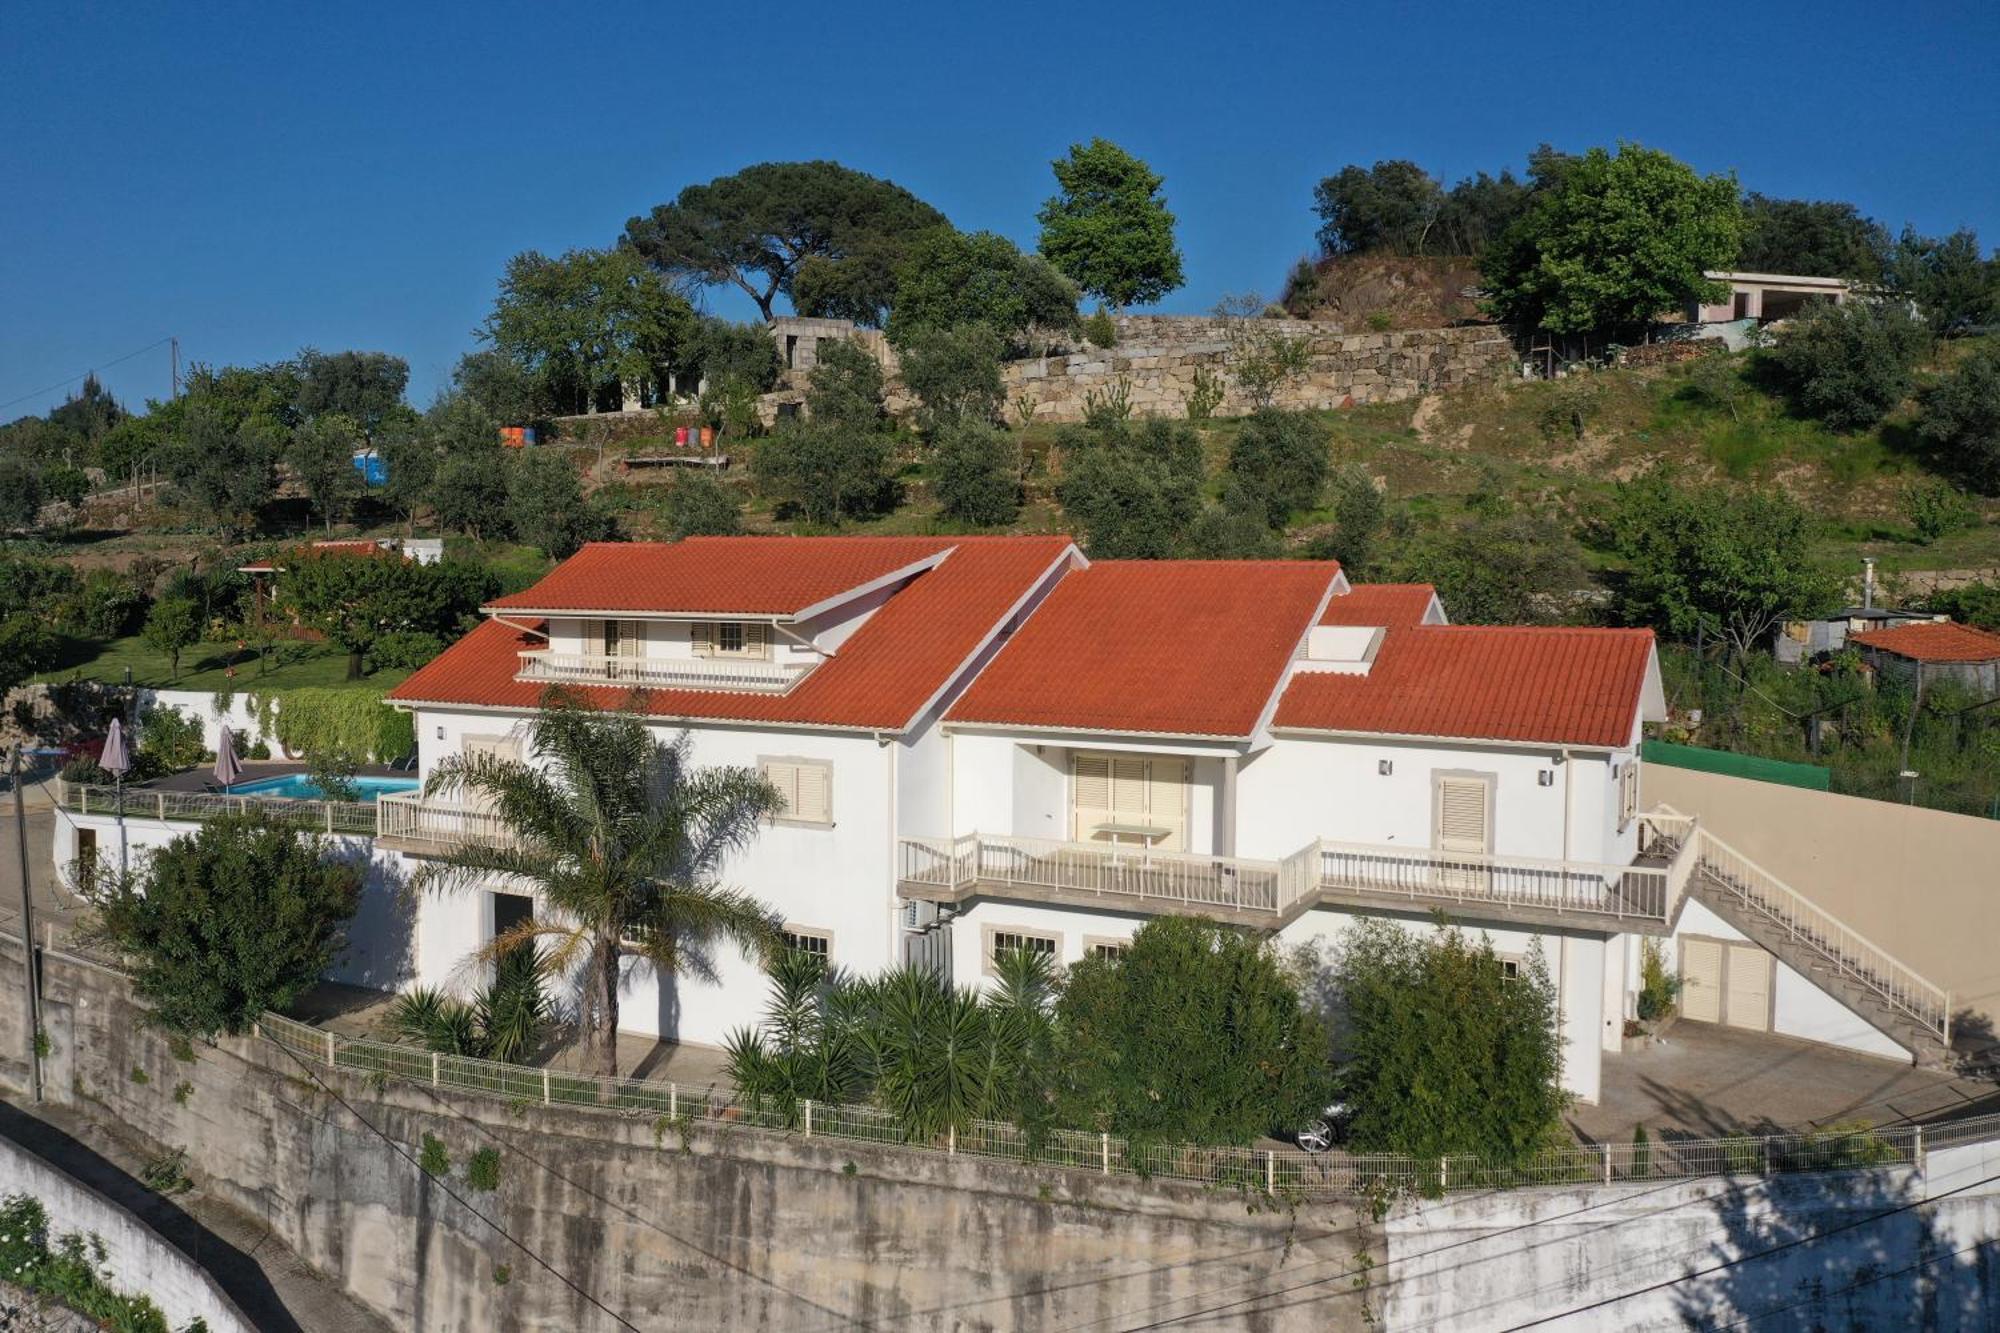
(1461, 815)
(811, 785)
(757, 640)
(1128, 790)
(631, 638)
(1090, 794)
(1166, 802)
(703, 633)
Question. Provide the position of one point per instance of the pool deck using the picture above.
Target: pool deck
(254, 770)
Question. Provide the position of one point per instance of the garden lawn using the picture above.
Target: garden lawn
(204, 666)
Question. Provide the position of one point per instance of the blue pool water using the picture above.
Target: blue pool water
(299, 787)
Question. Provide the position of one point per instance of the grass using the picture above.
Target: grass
(205, 666)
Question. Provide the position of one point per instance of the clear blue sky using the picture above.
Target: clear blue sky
(258, 176)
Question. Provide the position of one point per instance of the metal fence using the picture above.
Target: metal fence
(1284, 1171)
(200, 806)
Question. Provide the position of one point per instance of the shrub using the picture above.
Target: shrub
(1359, 511)
(1850, 365)
(1937, 509)
(434, 1160)
(1193, 1033)
(1134, 488)
(1281, 460)
(1658, 988)
(66, 1269)
(700, 504)
(955, 375)
(482, 1169)
(1101, 330)
(977, 474)
(845, 388)
(336, 721)
(507, 1020)
(187, 919)
(1960, 415)
(546, 505)
(170, 740)
(824, 472)
(108, 605)
(1204, 395)
(1571, 403)
(407, 648)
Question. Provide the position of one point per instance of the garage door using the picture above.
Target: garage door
(1701, 980)
(1747, 1002)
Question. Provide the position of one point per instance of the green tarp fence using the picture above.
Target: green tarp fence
(1810, 776)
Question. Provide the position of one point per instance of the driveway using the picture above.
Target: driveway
(1705, 1081)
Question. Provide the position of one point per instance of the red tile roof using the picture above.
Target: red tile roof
(882, 677)
(1177, 647)
(1484, 682)
(763, 576)
(1381, 604)
(1933, 641)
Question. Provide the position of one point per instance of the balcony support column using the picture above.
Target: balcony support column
(1225, 833)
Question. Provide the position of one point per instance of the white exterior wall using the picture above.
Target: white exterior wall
(1011, 786)
(1074, 927)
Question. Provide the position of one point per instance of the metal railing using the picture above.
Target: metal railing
(1288, 1171)
(1428, 875)
(196, 807)
(1846, 951)
(408, 816)
(684, 673)
(1097, 870)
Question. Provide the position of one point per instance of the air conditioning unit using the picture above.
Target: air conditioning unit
(919, 915)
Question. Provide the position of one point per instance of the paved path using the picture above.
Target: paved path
(269, 1283)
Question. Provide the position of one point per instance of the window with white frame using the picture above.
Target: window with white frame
(1098, 947)
(806, 785)
(1513, 966)
(1002, 940)
(621, 638)
(813, 943)
(1628, 793)
(732, 638)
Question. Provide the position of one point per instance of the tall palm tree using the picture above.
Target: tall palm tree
(624, 842)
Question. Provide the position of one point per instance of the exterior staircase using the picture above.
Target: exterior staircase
(1888, 995)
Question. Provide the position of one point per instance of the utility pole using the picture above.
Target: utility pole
(31, 1003)
(176, 345)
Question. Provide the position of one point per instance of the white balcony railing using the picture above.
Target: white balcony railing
(198, 807)
(677, 673)
(440, 825)
(1095, 870)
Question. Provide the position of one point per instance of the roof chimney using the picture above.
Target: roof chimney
(1867, 583)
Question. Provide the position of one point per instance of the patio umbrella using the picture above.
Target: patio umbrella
(227, 770)
(116, 761)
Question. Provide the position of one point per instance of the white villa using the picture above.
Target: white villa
(990, 742)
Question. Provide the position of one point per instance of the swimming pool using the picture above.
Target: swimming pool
(300, 787)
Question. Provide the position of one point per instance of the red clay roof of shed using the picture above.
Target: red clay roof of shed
(879, 680)
(1380, 604)
(1175, 647)
(1484, 682)
(766, 576)
(1933, 641)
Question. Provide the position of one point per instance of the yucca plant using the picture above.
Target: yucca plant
(624, 841)
(806, 1049)
(926, 1045)
(506, 1020)
(1020, 1041)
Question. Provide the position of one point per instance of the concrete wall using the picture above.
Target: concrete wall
(138, 1261)
(1920, 883)
(734, 1229)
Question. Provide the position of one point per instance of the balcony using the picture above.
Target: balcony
(1642, 897)
(547, 667)
(406, 822)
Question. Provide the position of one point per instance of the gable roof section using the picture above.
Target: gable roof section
(1933, 641)
(1162, 647)
(883, 676)
(754, 576)
(1385, 604)
(1484, 682)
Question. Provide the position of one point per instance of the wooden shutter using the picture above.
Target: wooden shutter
(1701, 980)
(806, 787)
(1628, 793)
(1090, 795)
(757, 641)
(703, 634)
(1166, 802)
(1747, 1002)
(1128, 791)
(1461, 815)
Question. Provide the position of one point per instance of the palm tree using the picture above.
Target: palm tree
(623, 840)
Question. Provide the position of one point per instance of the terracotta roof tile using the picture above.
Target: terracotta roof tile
(1381, 604)
(774, 576)
(883, 675)
(1484, 682)
(1179, 647)
(1933, 641)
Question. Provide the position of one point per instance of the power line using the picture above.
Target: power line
(162, 342)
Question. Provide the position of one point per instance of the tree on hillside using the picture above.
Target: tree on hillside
(505, 390)
(1952, 286)
(955, 374)
(700, 504)
(356, 599)
(1134, 488)
(321, 457)
(952, 278)
(546, 504)
(825, 472)
(588, 319)
(1961, 417)
(20, 493)
(1818, 237)
(364, 387)
(1443, 1051)
(1391, 206)
(977, 474)
(1281, 460)
(172, 627)
(28, 588)
(746, 353)
(229, 922)
(1852, 364)
(1109, 230)
(1609, 242)
(827, 236)
(624, 842)
(845, 388)
(1497, 567)
(1702, 560)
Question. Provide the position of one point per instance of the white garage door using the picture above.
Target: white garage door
(1701, 980)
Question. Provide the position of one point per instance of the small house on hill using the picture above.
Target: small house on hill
(1935, 651)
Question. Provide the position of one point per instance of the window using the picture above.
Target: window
(732, 638)
(1129, 799)
(806, 785)
(1105, 948)
(1628, 794)
(1463, 805)
(814, 943)
(623, 638)
(1003, 939)
(1512, 965)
